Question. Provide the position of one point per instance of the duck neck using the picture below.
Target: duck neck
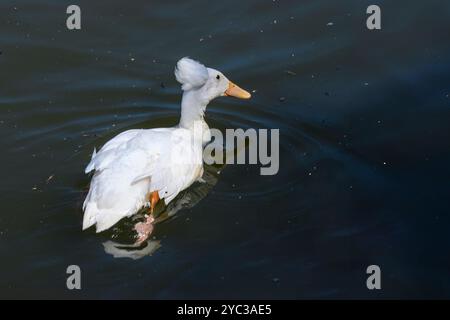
(192, 109)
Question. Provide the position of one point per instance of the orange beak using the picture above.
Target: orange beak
(234, 91)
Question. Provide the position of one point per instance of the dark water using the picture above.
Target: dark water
(364, 148)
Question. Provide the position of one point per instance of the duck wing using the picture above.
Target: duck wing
(130, 166)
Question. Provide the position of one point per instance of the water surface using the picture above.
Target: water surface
(364, 148)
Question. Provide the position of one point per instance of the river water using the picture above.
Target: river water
(364, 148)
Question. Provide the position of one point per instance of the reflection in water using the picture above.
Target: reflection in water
(185, 200)
(132, 251)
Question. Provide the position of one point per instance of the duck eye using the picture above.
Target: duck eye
(218, 77)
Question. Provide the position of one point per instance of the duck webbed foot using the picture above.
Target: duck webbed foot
(144, 229)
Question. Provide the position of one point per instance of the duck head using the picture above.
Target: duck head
(207, 83)
(200, 85)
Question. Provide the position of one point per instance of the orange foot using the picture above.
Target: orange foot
(145, 229)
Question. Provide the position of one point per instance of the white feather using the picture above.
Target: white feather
(168, 160)
(135, 163)
(190, 73)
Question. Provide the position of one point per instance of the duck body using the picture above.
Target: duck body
(137, 164)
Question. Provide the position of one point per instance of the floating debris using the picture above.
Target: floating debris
(50, 178)
(330, 24)
(282, 99)
(291, 73)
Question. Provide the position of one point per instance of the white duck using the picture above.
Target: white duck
(142, 166)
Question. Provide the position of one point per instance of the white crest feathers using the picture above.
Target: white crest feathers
(190, 73)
